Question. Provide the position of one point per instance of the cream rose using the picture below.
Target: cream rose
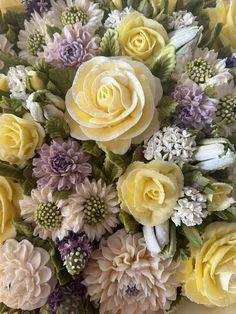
(10, 193)
(11, 5)
(19, 139)
(220, 199)
(149, 192)
(112, 101)
(225, 13)
(141, 38)
(209, 275)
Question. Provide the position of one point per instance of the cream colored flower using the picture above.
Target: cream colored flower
(149, 192)
(19, 139)
(26, 275)
(112, 101)
(11, 5)
(123, 277)
(220, 199)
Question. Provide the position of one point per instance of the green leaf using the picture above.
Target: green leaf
(164, 6)
(10, 60)
(194, 6)
(164, 63)
(6, 310)
(98, 173)
(179, 6)
(210, 36)
(210, 91)
(196, 178)
(193, 235)
(233, 73)
(29, 183)
(183, 254)
(109, 45)
(87, 308)
(7, 170)
(166, 108)
(209, 3)
(62, 78)
(45, 310)
(203, 18)
(91, 148)
(114, 166)
(170, 248)
(138, 154)
(61, 195)
(57, 127)
(145, 8)
(12, 106)
(11, 34)
(51, 30)
(23, 228)
(224, 52)
(130, 224)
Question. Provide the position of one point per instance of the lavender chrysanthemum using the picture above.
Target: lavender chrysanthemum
(74, 46)
(40, 6)
(231, 61)
(195, 109)
(61, 165)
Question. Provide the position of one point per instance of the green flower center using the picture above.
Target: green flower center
(226, 109)
(199, 70)
(48, 216)
(68, 305)
(94, 211)
(74, 15)
(75, 261)
(35, 43)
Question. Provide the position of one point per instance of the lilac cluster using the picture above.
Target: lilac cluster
(40, 6)
(61, 165)
(231, 61)
(195, 109)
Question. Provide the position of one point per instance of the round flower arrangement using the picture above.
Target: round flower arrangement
(117, 155)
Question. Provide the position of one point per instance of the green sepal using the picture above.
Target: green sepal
(210, 36)
(130, 224)
(62, 78)
(91, 148)
(170, 249)
(109, 45)
(114, 165)
(51, 30)
(10, 60)
(13, 172)
(57, 127)
(138, 154)
(166, 108)
(164, 63)
(23, 228)
(193, 235)
(12, 106)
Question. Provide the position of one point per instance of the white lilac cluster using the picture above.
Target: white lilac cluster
(191, 208)
(171, 143)
(181, 19)
(17, 82)
(116, 16)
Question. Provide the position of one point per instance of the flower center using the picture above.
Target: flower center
(132, 291)
(199, 70)
(48, 216)
(74, 15)
(226, 109)
(94, 210)
(61, 163)
(75, 261)
(35, 43)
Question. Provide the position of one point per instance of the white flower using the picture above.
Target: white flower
(45, 214)
(201, 67)
(190, 209)
(70, 12)
(181, 19)
(116, 16)
(17, 81)
(92, 209)
(5, 46)
(26, 275)
(33, 38)
(172, 144)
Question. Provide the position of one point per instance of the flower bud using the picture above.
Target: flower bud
(34, 82)
(156, 237)
(118, 4)
(4, 83)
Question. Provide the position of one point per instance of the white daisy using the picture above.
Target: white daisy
(116, 16)
(201, 67)
(45, 214)
(92, 209)
(17, 81)
(70, 12)
(5, 46)
(32, 39)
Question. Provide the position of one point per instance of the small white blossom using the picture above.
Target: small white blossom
(116, 16)
(172, 144)
(181, 19)
(191, 208)
(17, 81)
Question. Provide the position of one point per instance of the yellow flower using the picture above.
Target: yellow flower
(19, 139)
(220, 199)
(10, 194)
(4, 83)
(225, 13)
(141, 38)
(149, 192)
(11, 5)
(112, 101)
(156, 5)
(209, 275)
(118, 4)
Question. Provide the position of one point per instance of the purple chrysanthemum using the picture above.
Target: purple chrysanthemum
(40, 6)
(195, 109)
(61, 165)
(74, 46)
(231, 61)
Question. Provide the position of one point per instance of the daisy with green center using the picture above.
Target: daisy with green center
(45, 214)
(201, 67)
(70, 12)
(92, 209)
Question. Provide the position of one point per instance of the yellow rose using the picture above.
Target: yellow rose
(12, 5)
(4, 83)
(220, 199)
(19, 139)
(10, 194)
(112, 101)
(225, 13)
(156, 5)
(209, 275)
(149, 192)
(141, 38)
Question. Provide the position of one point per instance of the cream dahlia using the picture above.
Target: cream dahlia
(123, 277)
(26, 275)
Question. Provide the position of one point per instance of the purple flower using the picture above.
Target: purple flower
(61, 165)
(74, 46)
(195, 109)
(231, 61)
(40, 6)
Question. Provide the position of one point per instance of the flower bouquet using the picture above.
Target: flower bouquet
(117, 155)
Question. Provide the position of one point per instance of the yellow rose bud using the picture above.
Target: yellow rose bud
(118, 4)
(208, 277)
(113, 101)
(35, 82)
(149, 192)
(19, 139)
(225, 13)
(220, 199)
(141, 38)
(10, 194)
(4, 83)
(11, 5)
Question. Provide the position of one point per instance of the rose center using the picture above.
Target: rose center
(226, 109)
(35, 43)
(94, 210)
(73, 15)
(199, 70)
(104, 97)
(48, 216)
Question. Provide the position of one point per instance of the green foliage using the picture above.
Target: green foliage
(10, 171)
(114, 166)
(130, 224)
(51, 30)
(210, 91)
(23, 228)
(210, 36)
(13, 106)
(194, 6)
(203, 18)
(91, 148)
(138, 154)
(193, 235)
(61, 78)
(164, 63)
(166, 108)
(175, 303)
(28, 183)
(57, 127)
(87, 308)
(109, 45)
(196, 178)
(61, 195)
(171, 247)
(10, 60)
(233, 73)
(146, 8)
(228, 215)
